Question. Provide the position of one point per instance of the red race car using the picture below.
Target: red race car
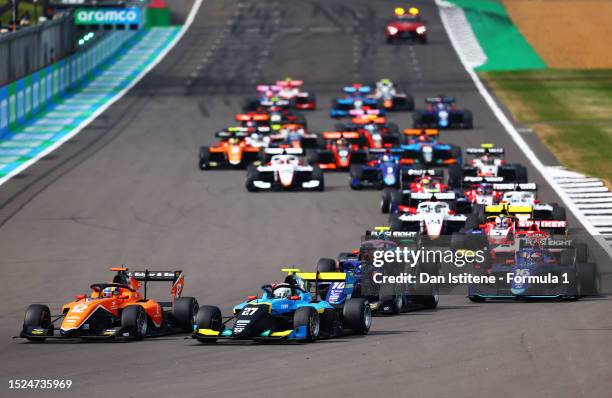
(406, 25)
(341, 149)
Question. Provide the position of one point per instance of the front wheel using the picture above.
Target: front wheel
(209, 317)
(37, 316)
(184, 311)
(309, 318)
(134, 319)
(385, 201)
(357, 315)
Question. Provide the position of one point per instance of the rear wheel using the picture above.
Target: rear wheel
(357, 315)
(395, 223)
(588, 278)
(317, 174)
(582, 253)
(309, 318)
(455, 175)
(356, 176)
(558, 213)
(135, 320)
(204, 158)
(252, 175)
(385, 201)
(184, 311)
(326, 265)
(209, 317)
(468, 119)
(37, 316)
(520, 173)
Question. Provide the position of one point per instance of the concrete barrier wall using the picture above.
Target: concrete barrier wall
(35, 47)
(31, 94)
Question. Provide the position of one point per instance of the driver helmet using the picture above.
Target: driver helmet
(371, 128)
(282, 292)
(386, 158)
(425, 182)
(385, 82)
(483, 189)
(110, 291)
(233, 141)
(423, 138)
(341, 142)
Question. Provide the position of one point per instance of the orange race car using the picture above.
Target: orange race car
(234, 150)
(116, 310)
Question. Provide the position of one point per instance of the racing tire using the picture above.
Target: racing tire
(476, 299)
(520, 173)
(394, 130)
(558, 213)
(204, 157)
(395, 224)
(209, 317)
(409, 103)
(385, 201)
(317, 174)
(429, 302)
(357, 315)
(417, 119)
(184, 312)
(582, 253)
(326, 265)
(389, 40)
(589, 280)
(39, 316)
(456, 154)
(307, 316)
(135, 320)
(312, 156)
(356, 173)
(455, 175)
(468, 119)
(252, 174)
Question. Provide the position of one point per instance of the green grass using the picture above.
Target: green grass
(570, 110)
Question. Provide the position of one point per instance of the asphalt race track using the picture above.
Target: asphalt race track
(127, 190)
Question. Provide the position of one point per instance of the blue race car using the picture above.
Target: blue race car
(386, 170)
(384, 299)
(383, 171)
(307, 306)
(542, 267)
(441, 113)
(355, 100)
(424, 148)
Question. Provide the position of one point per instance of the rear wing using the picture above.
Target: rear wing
(485, 150)
(508, 209)
(227, 134)
(441, 196)
(387, 233)
(363, 116)
(441, 99)
(360, 89)
(417, 132)
(175, 277)
(257, 117)
(336, 135)
(284, 151)
(530, 186)
(556, 227)
(473, 180)
(547, 243)
(289, 83)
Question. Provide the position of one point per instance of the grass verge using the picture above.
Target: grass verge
(569, 110)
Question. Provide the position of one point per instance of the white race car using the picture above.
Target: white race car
(284, 169)
(430, 217)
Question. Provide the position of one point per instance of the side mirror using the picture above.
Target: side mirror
(80, 297)
(123, 297)
(250, 298)
(294, 298)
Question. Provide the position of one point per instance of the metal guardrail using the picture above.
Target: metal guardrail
(33, 48)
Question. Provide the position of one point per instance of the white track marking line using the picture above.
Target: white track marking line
(188, 22)
(457, 41)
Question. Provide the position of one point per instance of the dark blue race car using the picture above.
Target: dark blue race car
(307, 306)
(424, 148)
(441, 113)
(357, 99)
(542, 267)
